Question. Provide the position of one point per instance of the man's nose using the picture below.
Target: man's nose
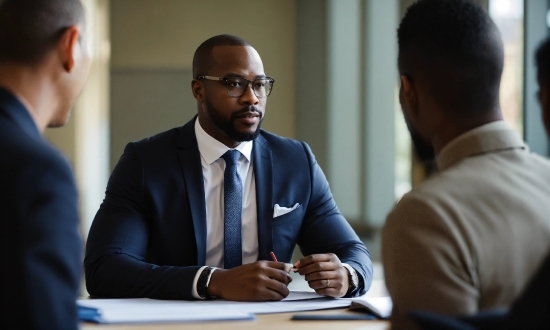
(249, 96)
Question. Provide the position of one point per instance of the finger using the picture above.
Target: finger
(276, 265)
(279, 288)
(313, 258)
(281, 266)
(306, 263)
(266, 294)
(328, 287)
(321, 284)
(279, 275)
(318, 267)
(329, 292)
(322, 275)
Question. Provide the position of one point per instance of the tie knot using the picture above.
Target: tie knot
(231, 157)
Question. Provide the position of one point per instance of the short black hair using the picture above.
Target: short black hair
(203, 61)
(29, 29)
(542, 58)
(454, 46)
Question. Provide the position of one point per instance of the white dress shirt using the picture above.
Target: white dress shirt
(213, 168)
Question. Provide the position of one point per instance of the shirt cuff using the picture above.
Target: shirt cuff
(194, 290)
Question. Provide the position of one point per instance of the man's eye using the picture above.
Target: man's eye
(234, 83)
(260, 84)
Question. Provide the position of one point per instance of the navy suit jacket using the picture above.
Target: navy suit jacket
(40, 247)
(148, 238)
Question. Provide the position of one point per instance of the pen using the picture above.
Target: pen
(288, 267)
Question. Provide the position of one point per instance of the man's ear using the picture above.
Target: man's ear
(407, 95)
(68, 47)
(198, 90)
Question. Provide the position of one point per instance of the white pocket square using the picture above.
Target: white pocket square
(280, 210)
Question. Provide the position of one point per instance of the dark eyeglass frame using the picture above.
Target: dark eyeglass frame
(248, 83)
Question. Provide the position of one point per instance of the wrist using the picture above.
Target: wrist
(353, 279)
(213, 287)
(203, 283)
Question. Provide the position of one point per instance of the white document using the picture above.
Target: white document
(299, 305)
(379, 306)
(302, 295)
(151, 310)
(284, 306)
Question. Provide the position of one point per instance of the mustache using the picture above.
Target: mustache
(246, 110)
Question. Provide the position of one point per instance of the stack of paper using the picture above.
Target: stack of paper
(149, 310)
(379, 306)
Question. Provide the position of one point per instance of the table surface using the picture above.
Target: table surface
(272, 321)
(265, 321)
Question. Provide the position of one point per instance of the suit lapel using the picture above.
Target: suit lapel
(263, 175)
(190, 161)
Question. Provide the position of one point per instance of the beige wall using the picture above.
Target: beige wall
(85, 139)
(163, 34)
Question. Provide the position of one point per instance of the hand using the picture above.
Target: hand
(325, 274)
(258, 281)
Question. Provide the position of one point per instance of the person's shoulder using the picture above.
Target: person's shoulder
(171, 138)
(30, 164)
(23, 150)
(275, 141)
(419, 199)
(539, 161)
(425, 205)
(159, 139)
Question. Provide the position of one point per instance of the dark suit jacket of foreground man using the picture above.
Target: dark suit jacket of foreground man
(148, 238)
(40, 248)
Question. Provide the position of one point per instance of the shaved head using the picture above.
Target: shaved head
(203, 59)
(29, 29)
(455, 49)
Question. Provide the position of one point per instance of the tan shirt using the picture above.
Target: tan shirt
(471, 237)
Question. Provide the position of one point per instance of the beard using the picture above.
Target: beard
(229, 127)
(424, 151)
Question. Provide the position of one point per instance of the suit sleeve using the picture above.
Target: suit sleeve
(50, 246)
(325, 230)
(116, 249)
(423, 253)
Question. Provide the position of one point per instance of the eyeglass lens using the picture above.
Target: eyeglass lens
(237, 86)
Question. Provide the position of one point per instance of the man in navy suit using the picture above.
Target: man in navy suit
(43, 66)
(164, 226)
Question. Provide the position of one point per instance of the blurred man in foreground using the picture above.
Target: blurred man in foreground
(43, 66)
(542, 58)
(471, 237)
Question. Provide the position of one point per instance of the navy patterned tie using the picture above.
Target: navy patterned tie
(233, 196)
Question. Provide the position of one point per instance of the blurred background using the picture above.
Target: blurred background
(336, 87)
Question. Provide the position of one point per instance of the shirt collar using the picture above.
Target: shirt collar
(493, 136)
(212, 149)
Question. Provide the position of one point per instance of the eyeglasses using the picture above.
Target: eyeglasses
(236, 86)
